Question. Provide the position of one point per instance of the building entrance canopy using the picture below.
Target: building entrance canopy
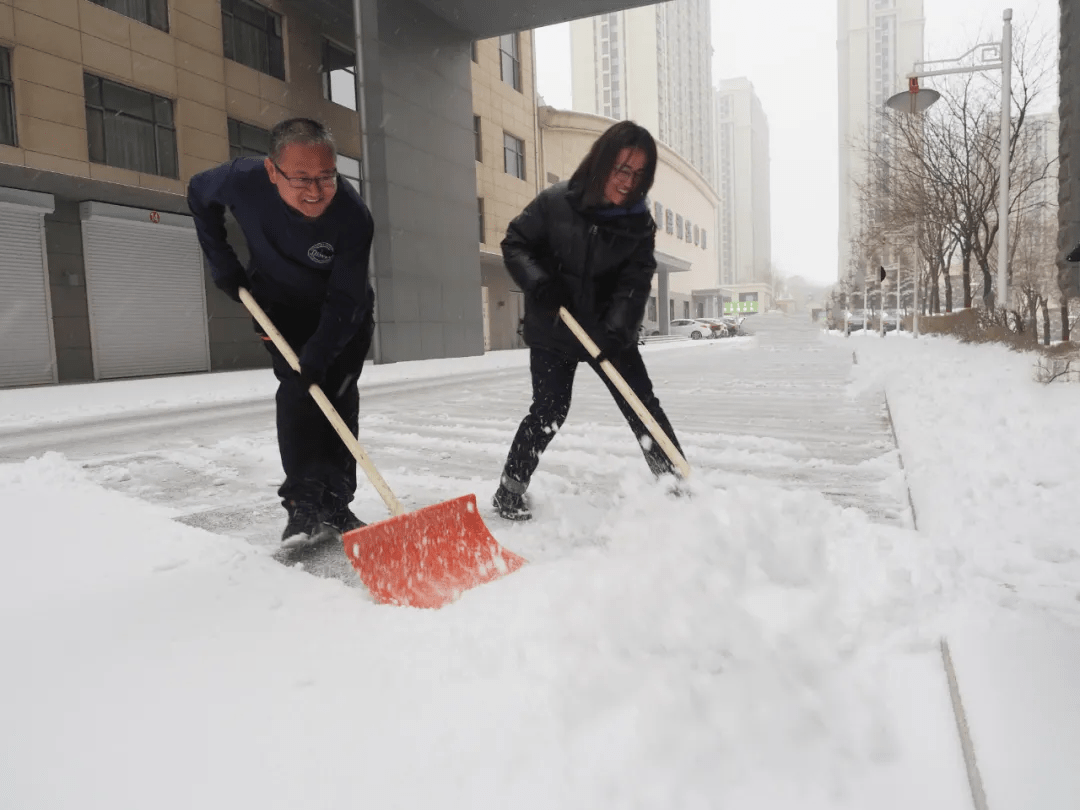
(481, 19)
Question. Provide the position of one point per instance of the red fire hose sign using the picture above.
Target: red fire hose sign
(155, 217)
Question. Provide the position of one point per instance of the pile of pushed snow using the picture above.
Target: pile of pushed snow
(722, 647)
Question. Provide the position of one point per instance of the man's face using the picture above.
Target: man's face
(305, 177)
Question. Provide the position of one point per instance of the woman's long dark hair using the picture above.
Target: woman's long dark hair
(593, 173)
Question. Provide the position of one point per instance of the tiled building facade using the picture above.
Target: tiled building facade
(507, 170)
(110, 114)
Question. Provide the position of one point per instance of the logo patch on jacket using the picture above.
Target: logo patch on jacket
(322, 253)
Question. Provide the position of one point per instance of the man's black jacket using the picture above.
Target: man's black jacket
(604, 257)
(309, 271)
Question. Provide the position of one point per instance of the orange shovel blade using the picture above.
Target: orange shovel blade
(427, 558)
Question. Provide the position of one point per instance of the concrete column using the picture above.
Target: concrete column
(1069, 154)
(662, 306)
(418, 92)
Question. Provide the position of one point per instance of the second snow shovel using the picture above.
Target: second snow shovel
(425, 558)
(657, 432)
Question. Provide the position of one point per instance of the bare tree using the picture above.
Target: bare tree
(1033, 270)
(933, 179)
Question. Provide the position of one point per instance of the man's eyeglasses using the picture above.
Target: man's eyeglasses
(326, 182)
(627, 174)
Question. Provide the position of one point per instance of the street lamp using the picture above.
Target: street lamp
(991, 56)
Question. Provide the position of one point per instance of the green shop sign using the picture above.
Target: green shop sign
(733, 307)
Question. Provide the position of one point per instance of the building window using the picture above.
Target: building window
(510, 61)
(7, 99)
(150, 12)
(480, 218)
(678, 226)
(478, 139)
(475, 53)
(552, 178)
(129, 128)
(252, 37)
(671, 310)
(689, 233)
(697, 235)
(652, 308)
(703, 239)
(669, 221)
(352, 171)
(514, 155)
(247, 141)
(686, 309)
(659, 211)
(339, 75)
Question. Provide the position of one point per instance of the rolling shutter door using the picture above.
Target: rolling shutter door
(27, 351)
(144, 289)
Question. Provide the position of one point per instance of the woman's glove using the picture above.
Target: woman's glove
(553, 293)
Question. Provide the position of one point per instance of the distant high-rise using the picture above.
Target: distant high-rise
(878, 41)
(742, 159)
(651, 65)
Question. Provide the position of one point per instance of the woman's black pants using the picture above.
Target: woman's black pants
(553, 382)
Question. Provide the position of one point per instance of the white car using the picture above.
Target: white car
(690, 328)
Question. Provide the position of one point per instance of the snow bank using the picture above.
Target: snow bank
(684, 659)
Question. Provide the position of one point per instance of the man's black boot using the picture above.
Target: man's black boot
(304, 525)
(341, 517)
(510, 505)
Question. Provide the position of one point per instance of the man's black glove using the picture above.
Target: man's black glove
(1074, 256)
(308, 376)
(231, 287)
(553, 293)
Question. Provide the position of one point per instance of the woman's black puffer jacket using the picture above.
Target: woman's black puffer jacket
(606, 263)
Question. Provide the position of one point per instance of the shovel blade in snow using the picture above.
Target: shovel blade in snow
(427, 558)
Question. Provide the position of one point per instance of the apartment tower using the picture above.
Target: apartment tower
(651, 65)
(742, 158)
(878, 42)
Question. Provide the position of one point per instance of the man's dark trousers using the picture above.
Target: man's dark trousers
(319, 469)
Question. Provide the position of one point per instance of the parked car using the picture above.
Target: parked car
(717, 328)
(734, 325)
(693, 329)
(855, 322)
(891, 319)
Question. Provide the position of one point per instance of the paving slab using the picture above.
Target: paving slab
(1019, 686)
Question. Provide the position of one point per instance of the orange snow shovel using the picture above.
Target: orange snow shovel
(425, 558)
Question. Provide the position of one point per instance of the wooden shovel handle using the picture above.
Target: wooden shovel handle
(657, 432)
(392, 503)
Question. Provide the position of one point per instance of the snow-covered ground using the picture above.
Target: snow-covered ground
(771, 641)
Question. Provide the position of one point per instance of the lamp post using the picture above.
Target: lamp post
(886, 269)
(990, 56)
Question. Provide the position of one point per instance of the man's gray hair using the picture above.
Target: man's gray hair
(304, 131)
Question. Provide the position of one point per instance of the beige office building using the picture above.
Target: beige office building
(104, 116)
(507, 169)
(878, 42)
(108, 107)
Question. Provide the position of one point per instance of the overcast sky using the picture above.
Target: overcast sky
(787, 48)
